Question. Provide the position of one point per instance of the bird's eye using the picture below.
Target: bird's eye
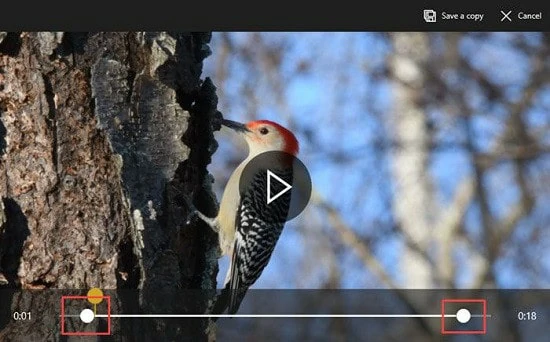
(264, 130)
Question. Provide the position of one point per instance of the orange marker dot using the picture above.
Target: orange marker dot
(93, 295)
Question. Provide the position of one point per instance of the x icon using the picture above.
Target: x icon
(506, 15)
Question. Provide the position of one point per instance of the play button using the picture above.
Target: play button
(276, 183)
(287, 186)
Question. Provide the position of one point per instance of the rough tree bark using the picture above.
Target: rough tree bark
(100, 136)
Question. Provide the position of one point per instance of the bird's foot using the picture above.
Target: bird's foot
(194, 213)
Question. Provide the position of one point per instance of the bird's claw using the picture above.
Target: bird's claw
(194, 213)
(192, 210)
(190, 218)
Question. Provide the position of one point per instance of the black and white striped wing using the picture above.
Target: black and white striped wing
(258, 228)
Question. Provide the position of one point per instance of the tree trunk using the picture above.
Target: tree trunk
(100, 137)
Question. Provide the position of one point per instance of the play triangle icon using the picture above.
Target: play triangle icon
(278, 179)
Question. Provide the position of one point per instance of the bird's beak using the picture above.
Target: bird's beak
(236, 126)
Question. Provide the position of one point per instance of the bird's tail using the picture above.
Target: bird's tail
(229, 300)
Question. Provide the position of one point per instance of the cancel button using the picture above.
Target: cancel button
(530, 16)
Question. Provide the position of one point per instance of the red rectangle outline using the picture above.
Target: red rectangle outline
(76, 333)
(464, 332)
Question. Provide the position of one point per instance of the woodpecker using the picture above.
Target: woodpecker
(248, 227)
